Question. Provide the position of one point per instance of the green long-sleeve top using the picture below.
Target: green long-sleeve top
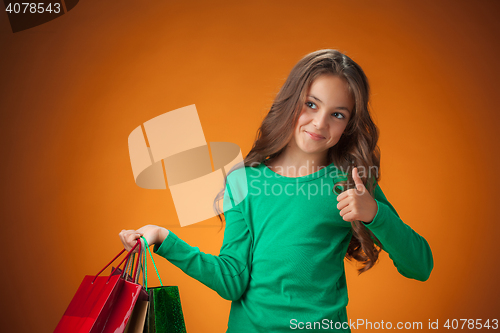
(282, 258)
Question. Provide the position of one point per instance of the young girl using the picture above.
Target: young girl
(306, 197)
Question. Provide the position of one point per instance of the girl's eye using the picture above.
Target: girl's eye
(309, 105)
(340, 114)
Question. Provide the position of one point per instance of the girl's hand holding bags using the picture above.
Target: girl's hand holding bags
(152, 233)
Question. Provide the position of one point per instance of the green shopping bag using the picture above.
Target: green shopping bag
(164, 313)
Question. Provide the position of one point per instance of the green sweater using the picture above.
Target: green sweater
(282, 258)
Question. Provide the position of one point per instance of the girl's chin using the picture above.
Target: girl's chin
(313, 150)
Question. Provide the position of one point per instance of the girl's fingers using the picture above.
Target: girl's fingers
(345, 211)
(342, 204)
(345, 194)
(122, 239)
(349, 217)
(129, 239)
(357, 180)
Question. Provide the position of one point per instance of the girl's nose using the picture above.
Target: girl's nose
(320, 120)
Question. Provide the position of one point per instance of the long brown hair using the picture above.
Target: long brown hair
(356, 147)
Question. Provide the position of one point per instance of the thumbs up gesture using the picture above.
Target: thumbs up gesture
(357, 203)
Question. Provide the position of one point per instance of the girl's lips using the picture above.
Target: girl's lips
(315, 136)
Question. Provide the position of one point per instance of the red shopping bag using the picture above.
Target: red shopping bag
(126, 300)
(93, 302)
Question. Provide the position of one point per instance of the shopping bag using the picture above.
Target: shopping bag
(91, 306)
(126, 300)
(164, 313)
(135, 324)
(138, 317)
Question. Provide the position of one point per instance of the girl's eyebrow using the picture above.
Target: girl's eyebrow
(337, 108)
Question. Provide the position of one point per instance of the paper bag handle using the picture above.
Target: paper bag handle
(119, 254)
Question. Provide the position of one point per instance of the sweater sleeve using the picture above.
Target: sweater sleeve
(228, 273)
(409, 251)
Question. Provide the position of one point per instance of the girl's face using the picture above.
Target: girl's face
(324, 115)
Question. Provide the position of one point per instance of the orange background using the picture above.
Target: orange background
(74, 88)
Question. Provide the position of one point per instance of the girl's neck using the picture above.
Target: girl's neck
(289, 167)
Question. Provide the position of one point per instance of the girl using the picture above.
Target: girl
(298, 206)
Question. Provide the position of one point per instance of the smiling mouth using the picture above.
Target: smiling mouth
(315, 136)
